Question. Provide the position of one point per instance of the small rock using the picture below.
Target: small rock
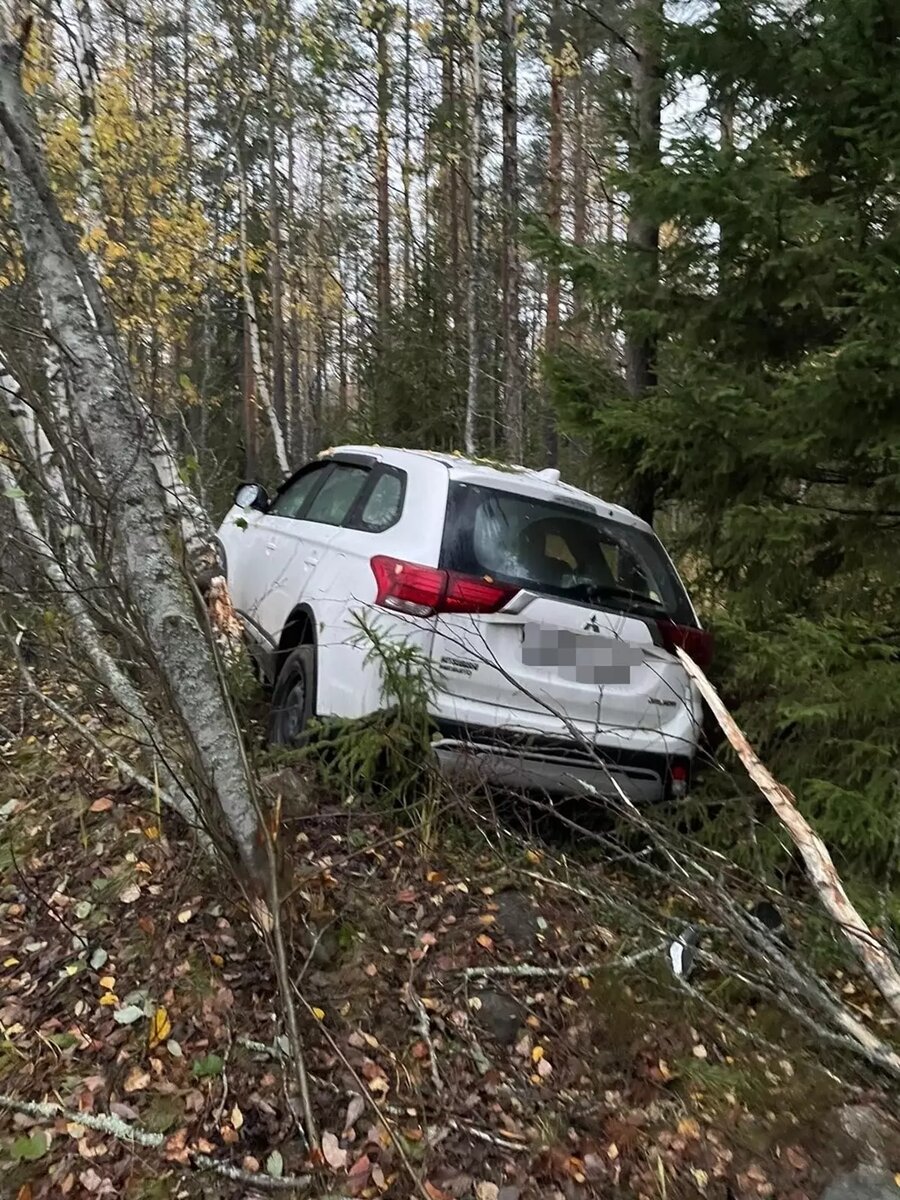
(863, 1184)
(290, 787)
(498, 1015)
(517, 921)
(875, 1138)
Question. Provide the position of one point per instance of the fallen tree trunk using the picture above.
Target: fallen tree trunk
(121, 448)
(820, 868)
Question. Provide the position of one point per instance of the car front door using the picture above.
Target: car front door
(301, 524)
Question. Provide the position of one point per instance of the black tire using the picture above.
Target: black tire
(293, 698)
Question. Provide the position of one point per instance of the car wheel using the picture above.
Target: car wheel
(293, 698)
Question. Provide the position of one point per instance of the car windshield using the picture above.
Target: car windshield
(557, 549)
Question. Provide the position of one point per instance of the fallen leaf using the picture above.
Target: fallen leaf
(250, 1164)
(544, 1068)
(486, 1190)
(237, 1117)
(355, 1110)
(31, 1148)
(160, 1027)
(151, 832)
(700, 1052)
(275, 1165)
(612, 1151)
(210, 1064)
(333, 1153)
(184, 916)
(318, 1013)
(797, 1158)
(127, 1015)
(688, 1127)
(108, 982)
(371, 970)
(136, 1080)
(130, 894)
(435, 1193)
(537, 1054)
(174, 1048)
(485, 942)
(102, 804)
(108, 999)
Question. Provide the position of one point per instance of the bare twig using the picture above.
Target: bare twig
(535, 971)
(425, 1030)
(115, 1127)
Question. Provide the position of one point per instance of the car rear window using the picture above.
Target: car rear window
(560, 550)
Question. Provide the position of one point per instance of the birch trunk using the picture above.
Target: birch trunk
(820, 868)
(262, 387)
(120, 686)
(119, 439)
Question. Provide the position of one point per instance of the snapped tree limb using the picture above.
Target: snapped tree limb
(822, 873)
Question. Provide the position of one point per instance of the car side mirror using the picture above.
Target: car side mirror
(252, 495)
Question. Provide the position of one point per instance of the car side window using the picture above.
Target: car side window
(289, 503)
(336, 497)
(382, 508)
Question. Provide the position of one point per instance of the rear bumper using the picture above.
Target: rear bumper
(557, 766)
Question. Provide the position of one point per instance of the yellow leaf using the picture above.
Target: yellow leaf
(108, 999)
(237, 1117)
(160, 1027)
(688, 1127)
(11, 961)
(108, 982)
(152, 832)
(537, 1054)
(319, 1014)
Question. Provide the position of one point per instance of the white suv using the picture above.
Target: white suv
(550, 616)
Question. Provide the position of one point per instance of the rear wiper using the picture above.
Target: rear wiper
(597, 594)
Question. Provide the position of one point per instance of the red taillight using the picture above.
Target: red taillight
(421, 591)
(408, 587)
(696, 643)
(466, 594)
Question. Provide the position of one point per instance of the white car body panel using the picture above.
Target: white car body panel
(278, 563)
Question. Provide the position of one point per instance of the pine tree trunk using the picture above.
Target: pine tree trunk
(475, 266)
(382, 166)
(642, 236)
(512, 332)
(407, 152)
(276, 272)
(554, 222)
(579, 194)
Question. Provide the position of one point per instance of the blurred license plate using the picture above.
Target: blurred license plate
(580, 657)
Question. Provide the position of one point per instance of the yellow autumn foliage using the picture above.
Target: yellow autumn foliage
(153, 247)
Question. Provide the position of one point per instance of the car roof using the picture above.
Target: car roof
(490, 473)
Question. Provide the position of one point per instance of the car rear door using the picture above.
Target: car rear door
(582, 638)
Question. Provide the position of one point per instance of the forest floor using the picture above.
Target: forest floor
(472, 1024)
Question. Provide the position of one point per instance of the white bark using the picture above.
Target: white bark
(262, 385)
(821, 870)
(114, 423)
(476, 178)
(120, 687)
